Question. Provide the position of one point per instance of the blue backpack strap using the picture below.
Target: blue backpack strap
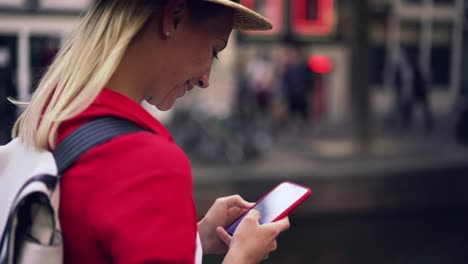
(89, 136)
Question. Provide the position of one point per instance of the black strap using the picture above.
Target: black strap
(89, 136)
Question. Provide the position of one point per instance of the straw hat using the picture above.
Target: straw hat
(245, 18)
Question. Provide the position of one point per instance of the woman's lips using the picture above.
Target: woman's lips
(189, 86)
(185, 88)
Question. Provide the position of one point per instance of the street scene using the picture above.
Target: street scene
(364, 102)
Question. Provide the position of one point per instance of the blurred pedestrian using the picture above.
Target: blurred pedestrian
(130, 200)
(245, 98)
(260, 77)
(401, 84)
(297, 85)
(419, 97)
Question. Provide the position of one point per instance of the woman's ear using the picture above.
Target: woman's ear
(172, 16)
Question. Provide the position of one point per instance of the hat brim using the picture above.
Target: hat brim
(245, 18)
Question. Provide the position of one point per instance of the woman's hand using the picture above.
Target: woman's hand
(223, 212)
(252, 242)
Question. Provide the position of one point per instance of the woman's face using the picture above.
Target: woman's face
(189, 50)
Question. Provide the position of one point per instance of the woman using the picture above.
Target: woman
(130, 200)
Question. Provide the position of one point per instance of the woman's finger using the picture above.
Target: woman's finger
(282, 224)
(236, 201)
(254, 214)
(223, 235)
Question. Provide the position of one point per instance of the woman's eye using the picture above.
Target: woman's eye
(215, 55)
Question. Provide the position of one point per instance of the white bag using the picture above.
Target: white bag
(29, 189)
(28, 179)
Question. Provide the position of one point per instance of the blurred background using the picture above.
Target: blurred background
(364, 101)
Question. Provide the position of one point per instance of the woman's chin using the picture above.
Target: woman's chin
(164, 106)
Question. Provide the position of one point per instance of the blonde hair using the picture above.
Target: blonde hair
(83, 67)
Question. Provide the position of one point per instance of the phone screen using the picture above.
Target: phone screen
(275, 203)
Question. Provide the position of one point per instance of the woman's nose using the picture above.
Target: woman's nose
(204, 80)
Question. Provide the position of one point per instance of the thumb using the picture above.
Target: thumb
(254, 214)
(282, 224)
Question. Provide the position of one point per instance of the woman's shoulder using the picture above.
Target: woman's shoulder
(145, 148)
(149, 145)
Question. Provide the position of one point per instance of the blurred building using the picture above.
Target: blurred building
(431, 29)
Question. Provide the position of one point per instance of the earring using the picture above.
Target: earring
(168, 33)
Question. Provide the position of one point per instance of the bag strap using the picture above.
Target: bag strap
(89, 136)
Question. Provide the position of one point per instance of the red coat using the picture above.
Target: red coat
(129, 200)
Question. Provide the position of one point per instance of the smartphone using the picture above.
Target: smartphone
(276, 204)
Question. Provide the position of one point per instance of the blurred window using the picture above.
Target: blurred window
(313, 17)
(378, 30)
(378, 56)
(43, 51)
(440, 65)
(312, 10)
(441, 53)
(9, 45)
(442, 32)
(410, 32)
(8, 64)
